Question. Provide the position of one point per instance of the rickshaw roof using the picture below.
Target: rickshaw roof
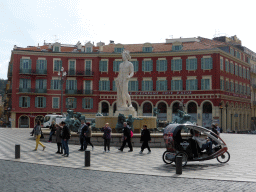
(174, 128)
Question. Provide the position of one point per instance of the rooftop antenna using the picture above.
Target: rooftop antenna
(56, 40)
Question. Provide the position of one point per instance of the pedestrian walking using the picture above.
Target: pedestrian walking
(65, 137)
(53, 129)
(126, 137)
(145, 138)
(58, 139)
(81, 135)
(83, 132)
(106, 136)
(88, 135)
(38, 135)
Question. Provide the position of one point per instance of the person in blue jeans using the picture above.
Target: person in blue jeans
(65, 137)
(203, 143)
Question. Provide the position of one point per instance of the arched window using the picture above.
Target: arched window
(104, 108)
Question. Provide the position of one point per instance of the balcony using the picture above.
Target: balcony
(80, 92)
(71, 91)
(80, 73)
(25, 90)
(41, 72)
(25, 71)
(40, 90)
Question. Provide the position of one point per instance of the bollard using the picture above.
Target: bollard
(87, 158)
(179, 165)
(17, 151)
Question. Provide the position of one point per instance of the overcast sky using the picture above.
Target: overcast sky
(29, 22)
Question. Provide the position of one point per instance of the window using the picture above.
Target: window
(232, 86)
(40, 102)
(191, 64)
(55, 84)
(133, 86)
(24, 102)
(56, 49)
(206, 63)
(25, 65)
(88, 65)
(55, 102)
(41, 85)
(25, 85)
(238, 54)
(240, 89)
(244, 73)
(191, 84)
(248, 74)
(70, 103)
(221, 64)
(119, 49)
(135, 65)
(176, 65)
(57, 65)
(237, 88)
(222, 84)
(177, 47)
(116, 65)
(147, 65)
(114, 86)
(161, 85)
(205, 84)
(232, 68)
(87, 87)
(71, 86)
(87, 103)
(176, 85)
(236, 70)
(103, 66)
(41, 66)
(240, 71)
(71, 67)
(161, 65)
(232, 51)
(104, 85)
(147, 85)
(147, 49)
(227, 66)
(227, 85)
(88, 49)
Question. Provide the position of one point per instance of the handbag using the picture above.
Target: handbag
(131, 133)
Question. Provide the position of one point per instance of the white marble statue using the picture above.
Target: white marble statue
(126, 71)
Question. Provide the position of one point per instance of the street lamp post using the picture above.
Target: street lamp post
(220, 106)
(62, 74)
(226, 116)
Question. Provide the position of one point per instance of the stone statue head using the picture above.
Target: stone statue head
(126, 55)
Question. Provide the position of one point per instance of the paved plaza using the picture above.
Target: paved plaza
(117, 171)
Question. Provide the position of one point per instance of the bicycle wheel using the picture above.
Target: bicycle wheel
(167, 161)
(224, 158)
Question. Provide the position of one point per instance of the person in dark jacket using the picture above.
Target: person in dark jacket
(53, 129)
(88, 136)
(81, 135)
(65, 136)
(145, 138)
(215, 130)
(106, 136)
(126, 137)
(58, 139)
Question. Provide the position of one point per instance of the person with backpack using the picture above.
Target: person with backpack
(145, 138)
(126, 137)
(38, 135)
(88, 135)
(65, 137)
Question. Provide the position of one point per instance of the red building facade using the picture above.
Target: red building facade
(209, 78)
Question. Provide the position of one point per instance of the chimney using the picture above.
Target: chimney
(111, 42)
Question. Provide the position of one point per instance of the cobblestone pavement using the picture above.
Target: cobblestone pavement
(141, 169)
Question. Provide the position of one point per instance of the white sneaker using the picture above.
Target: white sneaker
(149, 152)
(104, 151)
(108, 151)
(140, 152)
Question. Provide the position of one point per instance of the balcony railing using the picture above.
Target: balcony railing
(25, 90)
(40, 90)
(71, 72)
(26, 71)
(41, 71)
(80, 73)
(33, 72)
(80, 92)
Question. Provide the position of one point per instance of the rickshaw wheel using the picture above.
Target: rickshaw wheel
(184, 158)
(224, 158)
(164, 158)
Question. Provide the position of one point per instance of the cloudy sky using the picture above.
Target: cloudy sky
(29, 22)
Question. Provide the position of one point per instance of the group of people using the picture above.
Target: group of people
(62, 133)
(62, 137)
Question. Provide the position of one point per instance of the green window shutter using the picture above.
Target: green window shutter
(165, 65)
(37, 84)
(136, 85)
(75, 84)
(44, 102)
(108, 85)
(196, 84)
(45, 64)
(20, 101)
(29, 83)
(67, 84)
(187, 85)
(51, 84)
(29, 63)
(158, 65)
(66, 102)
(21, 62)
(100, 66)
(37, 64)
(114, 66)
(83, 103)
(180, 85)
(187, 64)
(45, 83)
(142, 85)
(91, 103)
(202, 84)
(143, 65)
(60, 65)
(114, 85)
(157, 85)
(180, 64)
(75, 101)
(28, 101)
(210, 65)
(136, 68)
(100, 85)
(165, 85)
(129, 86)
(143, 49)
(151, 86)
(202, 63)
(21, 83)
(172, 65)
(172, 85)
(151, 66)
